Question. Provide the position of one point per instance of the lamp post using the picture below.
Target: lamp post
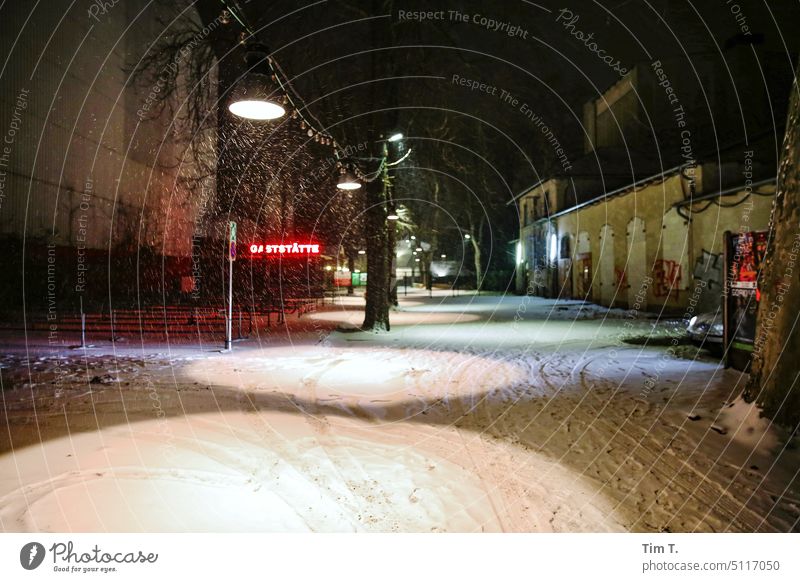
(231, 258)
(391, 217)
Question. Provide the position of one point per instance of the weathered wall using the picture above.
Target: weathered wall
(84, 170)
(676, 252)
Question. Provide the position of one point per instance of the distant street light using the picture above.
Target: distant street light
(396, 137)
(444, 256)
(467, 237)
(362, 252)
(252, 95)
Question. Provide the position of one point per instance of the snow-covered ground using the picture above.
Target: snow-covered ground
(475, 413)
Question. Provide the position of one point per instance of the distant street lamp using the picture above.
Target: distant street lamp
(252, 95)
(396, 137)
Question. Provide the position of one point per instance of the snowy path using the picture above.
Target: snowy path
(473, 414)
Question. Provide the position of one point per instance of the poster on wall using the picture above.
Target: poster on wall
(744, 256)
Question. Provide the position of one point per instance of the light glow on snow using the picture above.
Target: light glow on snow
(237, 471)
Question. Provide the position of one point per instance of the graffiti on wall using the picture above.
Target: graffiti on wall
(666, 277)
(708, 269)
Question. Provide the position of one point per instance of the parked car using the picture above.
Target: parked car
(706, 330)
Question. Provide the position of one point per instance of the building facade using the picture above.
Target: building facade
(644, 231)
(649, 247)
(93, 173)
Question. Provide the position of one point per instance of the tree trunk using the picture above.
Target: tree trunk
(476, 251)
(351, 267)
(376, 312)
(391, 243)
(774, 371)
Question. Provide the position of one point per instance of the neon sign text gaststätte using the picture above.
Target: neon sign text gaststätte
(293, 248)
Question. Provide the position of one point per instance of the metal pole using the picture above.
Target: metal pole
(229, 322)
(83, 326)
(726, 327)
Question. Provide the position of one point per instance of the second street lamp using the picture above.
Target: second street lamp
(347, 181)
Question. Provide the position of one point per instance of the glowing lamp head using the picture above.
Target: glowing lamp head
(392, 216)
(347, 181)
(395, 137)
(256, 109)
(252, 97)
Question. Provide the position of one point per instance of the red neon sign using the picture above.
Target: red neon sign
(288, 248)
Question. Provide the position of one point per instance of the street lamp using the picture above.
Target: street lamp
(347, 181)
(252, 95)
(395, 137)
